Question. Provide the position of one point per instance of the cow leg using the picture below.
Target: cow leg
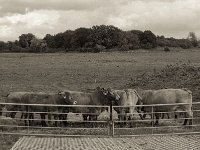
(168, 116)
(31, 121)
(175, 116)
(22, 115)
(30, 117)
(126, 118)
(122, 118)
(85, 119)
(185, 121)
(55, 117)
(131, 111)
(157, 118)
(163, 115)
(49, 119)
(92, 118)
(43, 123)
(64, 118)
(144, 115)
(139, 112)
(188, 114)
(61, 120)
(131, 119)
(25, 116)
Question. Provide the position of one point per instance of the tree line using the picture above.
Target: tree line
(95, 39)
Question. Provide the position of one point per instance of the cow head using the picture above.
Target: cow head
(102, 91)
(112, 95)
(67, 97)
(62, 94)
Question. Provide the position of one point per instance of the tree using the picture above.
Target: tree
(59, 40)
(67, 35)
(50, 40)
(148, 40)
(2, 46)
(192, 37)
(25, 40)
(38, 45)
(130, 41)
(106, 35)
(80, 37)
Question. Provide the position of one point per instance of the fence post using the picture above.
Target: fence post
(111, 123)
(152, 119)
(28, 119)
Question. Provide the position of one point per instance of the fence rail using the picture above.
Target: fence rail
(67, 120)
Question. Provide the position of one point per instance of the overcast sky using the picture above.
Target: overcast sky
(171, 18)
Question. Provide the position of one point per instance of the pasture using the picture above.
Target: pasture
(83, 71)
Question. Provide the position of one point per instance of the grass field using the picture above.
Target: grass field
(82, 71)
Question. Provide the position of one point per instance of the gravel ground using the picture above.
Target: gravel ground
(189, 142)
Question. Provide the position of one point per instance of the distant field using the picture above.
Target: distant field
(83, 71)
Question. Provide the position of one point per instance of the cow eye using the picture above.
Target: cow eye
(75, 102)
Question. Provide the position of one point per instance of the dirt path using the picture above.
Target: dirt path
(189, 142)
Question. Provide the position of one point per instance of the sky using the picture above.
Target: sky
(171, 18)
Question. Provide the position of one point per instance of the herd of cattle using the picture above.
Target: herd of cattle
(126, 100)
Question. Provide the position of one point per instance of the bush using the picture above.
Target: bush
(166, 49)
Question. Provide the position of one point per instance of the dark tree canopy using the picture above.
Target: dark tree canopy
(25, 40)
(96, 39)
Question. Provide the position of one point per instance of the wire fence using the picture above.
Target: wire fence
(93, 120)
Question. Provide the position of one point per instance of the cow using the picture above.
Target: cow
(97, 97)
(16, 97)
(127, 99)
(168, 96)
(35, 98)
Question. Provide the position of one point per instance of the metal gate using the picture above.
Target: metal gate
(170, 123)
(51, 120)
